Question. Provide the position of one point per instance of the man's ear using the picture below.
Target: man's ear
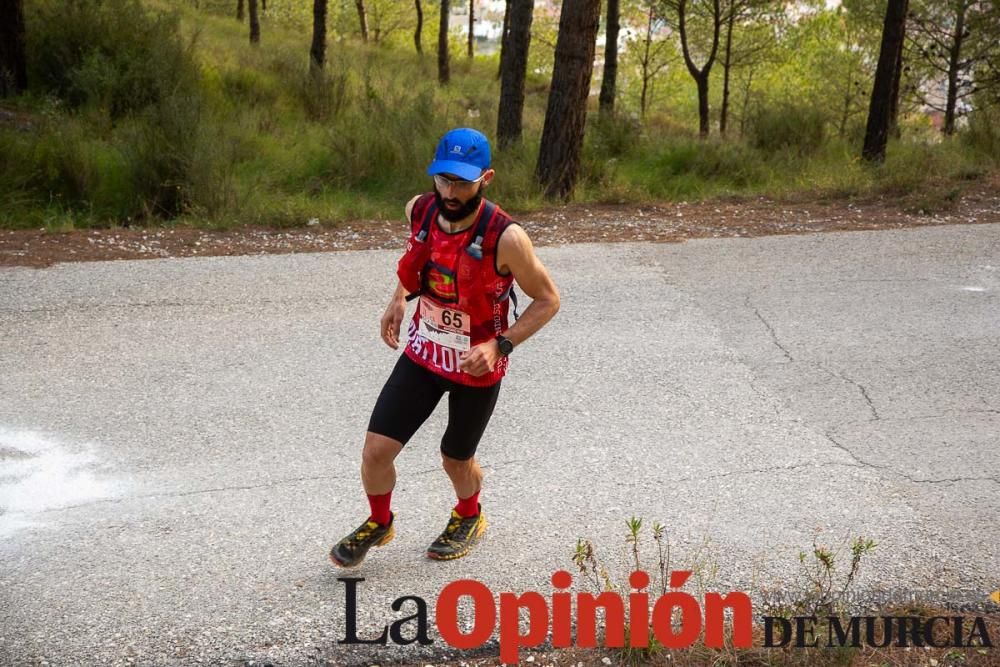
(488, 176)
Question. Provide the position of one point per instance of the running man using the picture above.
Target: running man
(462, 258)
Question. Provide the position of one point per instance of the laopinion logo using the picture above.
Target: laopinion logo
(500, 615)
(675, 619)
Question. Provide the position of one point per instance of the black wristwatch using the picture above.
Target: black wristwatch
(506, 347)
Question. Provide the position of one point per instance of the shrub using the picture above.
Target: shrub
(249, 88)
(131, 148)
(787, 127)
(685, 168)
(983, 133)
(107, 53)
(613, 136)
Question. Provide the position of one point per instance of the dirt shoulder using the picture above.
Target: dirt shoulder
(974, 202)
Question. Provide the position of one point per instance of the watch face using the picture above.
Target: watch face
(506, 347)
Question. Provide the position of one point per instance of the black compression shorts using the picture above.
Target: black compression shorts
(409, 397)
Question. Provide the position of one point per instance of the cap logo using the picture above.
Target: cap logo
(456, 149)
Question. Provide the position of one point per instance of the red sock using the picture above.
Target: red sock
(380, 508)
(469, 506)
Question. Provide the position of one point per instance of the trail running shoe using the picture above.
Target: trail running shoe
(459, 537)
(351, 550)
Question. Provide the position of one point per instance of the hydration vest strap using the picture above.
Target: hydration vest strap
(429, 215)
(425, 226)
(509, 293)
(486, 215)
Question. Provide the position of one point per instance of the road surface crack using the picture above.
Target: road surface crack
(864, 390)
(770, 329)
(758, 471)
(891, 470)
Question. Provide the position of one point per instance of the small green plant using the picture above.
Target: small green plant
(827, 587)
(827, 583)
(596, 573)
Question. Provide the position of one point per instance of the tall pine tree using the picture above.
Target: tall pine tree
(566, 116)
(880, 109)
(513, 70)
(13, 64)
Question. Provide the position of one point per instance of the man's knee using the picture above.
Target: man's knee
(379, 450)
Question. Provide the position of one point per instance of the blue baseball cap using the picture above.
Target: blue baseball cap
(464, 152)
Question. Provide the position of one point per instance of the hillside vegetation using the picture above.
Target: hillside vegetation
(160, 113)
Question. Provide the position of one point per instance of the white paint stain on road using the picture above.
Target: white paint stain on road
(38, 474)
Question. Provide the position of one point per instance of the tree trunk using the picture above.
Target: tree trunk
(897, 77)
(846, 114)
(610, 74)
(566, 115)
(877, 130)
(317, 54)
(646, 76)
(514, 68)
(239, 11)
(954, 63)
(13, 64)
(263, 5)
(702, 83)
(362, 19)
(420, 27)
(472, 22)
(727, 61)
(443, 74)
(503, 36)
(700, 75)
(746, 103)
(254, 22)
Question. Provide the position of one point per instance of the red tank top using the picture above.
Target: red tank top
(464, 300)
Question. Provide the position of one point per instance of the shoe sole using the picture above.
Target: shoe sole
(464, 552)
(381, 543)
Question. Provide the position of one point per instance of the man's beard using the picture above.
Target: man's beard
(463, 211)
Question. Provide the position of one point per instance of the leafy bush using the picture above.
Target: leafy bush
(787, 127)
(323, 95)
(391, 142)
(613, 136)
(249, 87)
(983, 133)
(107, 53)
(686, 168)
(132, 148)
(914, 167)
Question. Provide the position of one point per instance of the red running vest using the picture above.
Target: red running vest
(461, 293)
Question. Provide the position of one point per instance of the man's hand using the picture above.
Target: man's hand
(480, 359)
(391, 321)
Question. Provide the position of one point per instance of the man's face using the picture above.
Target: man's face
(459, 198)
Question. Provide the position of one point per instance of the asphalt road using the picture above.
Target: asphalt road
(179, 439)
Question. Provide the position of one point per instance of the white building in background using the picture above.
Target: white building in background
(488, 21)
(488, 24)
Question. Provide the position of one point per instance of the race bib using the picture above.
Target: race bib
(445, 326)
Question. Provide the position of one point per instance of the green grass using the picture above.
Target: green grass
(226, 134)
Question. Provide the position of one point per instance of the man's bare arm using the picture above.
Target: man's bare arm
(408, 209)
(516, 254)
(392, 319)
